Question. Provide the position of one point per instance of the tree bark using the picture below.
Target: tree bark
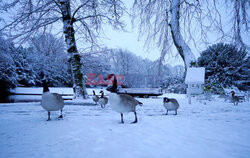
(182, 47)
(237, 28)
(75, 59)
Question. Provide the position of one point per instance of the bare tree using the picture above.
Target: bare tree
(181, 22)
(47, 56)
(160, 19)
(123, 63)
(75, 16)
(240, 20)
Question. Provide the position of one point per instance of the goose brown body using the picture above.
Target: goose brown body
(235, 99)
(51, 101)
(170, 104)
(103, 100)
(95, 98)
(122, 103)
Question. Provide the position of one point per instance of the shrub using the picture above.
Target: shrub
(176, 85)
(7, 69)
(226, 66)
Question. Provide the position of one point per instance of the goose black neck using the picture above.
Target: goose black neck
(102, 95)
(45, 87)
(233, 93)
(114, 88)
(165, 99)
(94, 92)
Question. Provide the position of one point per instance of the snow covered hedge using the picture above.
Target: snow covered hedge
(24, 66)
(7, 69)
(176, 85)
(226, 66)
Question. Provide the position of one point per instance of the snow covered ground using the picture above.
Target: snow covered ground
(217, 130)
(34, 91)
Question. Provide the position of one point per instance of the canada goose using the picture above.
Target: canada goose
(235, 99)
(170, 104)
(95, 98)
(121, 103)
(103, 100)
(51, 101)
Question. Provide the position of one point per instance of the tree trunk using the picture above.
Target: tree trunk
(75, 59)
(237, 28)
(182, 47)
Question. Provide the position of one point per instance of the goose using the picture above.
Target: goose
(235, 99)
(170, 104)
(95, 98)
(51, 101)
(103, 100)
(121, 103)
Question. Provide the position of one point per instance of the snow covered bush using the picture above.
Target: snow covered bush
(7, 69)
(48, 57)
(179, 88)
(23, 66)
(176, 85)
(24, 73)
(226, 65)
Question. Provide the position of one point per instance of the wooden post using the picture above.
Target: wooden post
(189, 99)
(189, 94)
(248, 96)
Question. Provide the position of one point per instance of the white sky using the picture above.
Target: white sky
(129, 40)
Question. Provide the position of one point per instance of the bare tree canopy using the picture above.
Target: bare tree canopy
(240, 21)
(27, 18)
(184, 22)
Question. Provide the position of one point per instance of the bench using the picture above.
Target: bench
(34, 94)
(141, 92)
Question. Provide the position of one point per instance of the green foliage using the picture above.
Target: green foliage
(193, 64)
(210, 87)
(225, 66)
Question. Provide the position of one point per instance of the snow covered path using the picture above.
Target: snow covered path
(216, 129)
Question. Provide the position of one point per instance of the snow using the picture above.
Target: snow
(59, 90)
(217, 129)
(141, 90)
(195, 75)
(39, 90)
(27, 94)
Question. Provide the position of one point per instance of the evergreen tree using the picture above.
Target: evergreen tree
(24, 71)
(7, 69)
(225, 66)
